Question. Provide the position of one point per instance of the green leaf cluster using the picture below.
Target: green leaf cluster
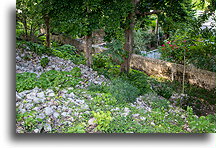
(49, 79)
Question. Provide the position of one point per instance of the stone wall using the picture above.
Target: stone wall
(172, 71)
(98, 36)
(68, 40)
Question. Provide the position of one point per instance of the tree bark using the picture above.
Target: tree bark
(47, 23)
(88, 50)
(128, 46)
(157, 31)
(25, 28)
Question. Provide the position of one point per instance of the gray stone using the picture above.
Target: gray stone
(41, 116)
(36, 131)
(91, 122)
(64, 108)
(51, 94)
(48, 111)
(28, 106)
(36, 100)
(18, 97)
(85, 106)
(47, 127)
(64, 114)
(135, 115)
(22, 111)
(56, 114)
(80, 101)
(36, 108)
(41, 95)
(71, 95)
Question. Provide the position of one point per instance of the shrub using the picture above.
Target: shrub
(123, 91)
(44, 62)
(139, 80)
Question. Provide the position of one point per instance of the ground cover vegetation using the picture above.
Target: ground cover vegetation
(126, 100)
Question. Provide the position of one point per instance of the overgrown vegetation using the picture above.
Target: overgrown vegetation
(50, 79)
(130, 101)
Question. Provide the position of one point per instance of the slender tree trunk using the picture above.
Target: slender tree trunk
(25, 28)
(128, 46)
(183, 79)
(32, 33)
(88, 50)
(47, 23)
(157, 31)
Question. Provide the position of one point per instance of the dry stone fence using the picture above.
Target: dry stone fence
(171, 71)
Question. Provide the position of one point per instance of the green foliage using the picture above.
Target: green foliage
(80, 128)
(68, 52)
(104, 99)
(49, 79)
(30, 120)
(38, 48)
(44, 62)
(116, 51)
(102, 119)
(101, 61)
(164, 90)
(123, 91)
(98, 88)
(25, 81)
(65, 51)
(139, 80)
(59, 79)
(104, 64)
(122, 124)
(198, 52)
(202, 124)
(143, 40)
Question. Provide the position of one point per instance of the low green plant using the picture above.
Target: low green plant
(202, 124)
(102, 119)
(49, 79)
(25, 81)
(122, 124)
(59, 79)
(123, 91)
(38, 48)
(44, 62)
(29, 119)
(104, 99)
(139, 80)
(80, 128)
(68, 52)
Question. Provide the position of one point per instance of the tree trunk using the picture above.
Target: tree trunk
(157, 31)
(47, 23)
(88, 50)
(128, 46)
(25, 28)
(32, 33)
